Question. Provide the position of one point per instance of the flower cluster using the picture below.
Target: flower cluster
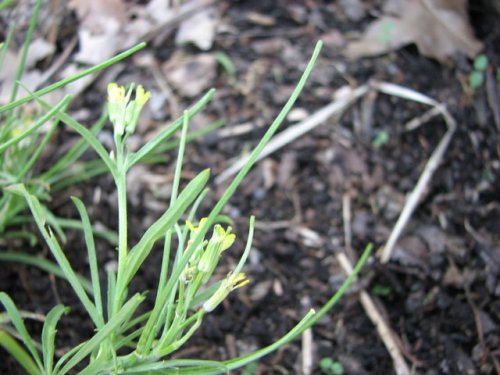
(123, 112)
(230, 283)
(204, 260)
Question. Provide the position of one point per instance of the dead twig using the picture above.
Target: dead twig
(307, 352)
(384, 331)
(294, 132)
(430, 167)
(346, 259)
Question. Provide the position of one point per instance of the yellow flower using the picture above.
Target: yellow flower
(135, 107)
(123, 112)
(230, 283)
(116, 104)
(220, 241)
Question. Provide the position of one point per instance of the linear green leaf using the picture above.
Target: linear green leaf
(17, 321)
(40, 219)
(145, 150)
(63, 103)
(49, 334)
(16, 351)
(92, 255)
(74, 77)
(140, 251)
(43, 264)
(126, 311)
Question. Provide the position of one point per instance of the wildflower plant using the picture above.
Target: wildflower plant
(127, 339)
(22, 142)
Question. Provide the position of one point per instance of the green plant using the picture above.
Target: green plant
(330, 367)
(476, 77)
(22, 143)
(381, 139)
(125, 339)
(382, 291)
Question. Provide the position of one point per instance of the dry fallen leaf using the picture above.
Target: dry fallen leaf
(439, 28)
(99, 31)
(199, 29)
(191, 75)
(31, 78)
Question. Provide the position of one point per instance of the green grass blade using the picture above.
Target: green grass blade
(173, 197)
(78, 172)
(140, 251)
(86, 134)
(191, 136)
(343, 288)
(180, 158)
(53, 222)
(111, 291)
(49, 335)
(134, 158)
(43, 264)
(5, 4)
(101, 231)
(108, 329)
(73, 78)
(173, 366)
(40, 219)
(17, 321)
(65, 357)
(24, 53)
(70, 157)
(63, 103)
(266, 138)
(19, 354)
(92, 255)
(37, 152)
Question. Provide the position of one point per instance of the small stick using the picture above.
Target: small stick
(386, 334)
(430, 167)
(294, 132)
(236, 130)
(420, 120)
(307, 351)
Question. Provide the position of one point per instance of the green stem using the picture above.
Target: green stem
(73, 78)
(121, 187)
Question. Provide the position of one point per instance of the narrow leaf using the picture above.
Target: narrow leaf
(38, 214)
(74, 77)
(49, 334)
(43, 264)
(17, 321)
(140, 251)
(20, 355)
(145, 150)
(91, 251)
(108, 329)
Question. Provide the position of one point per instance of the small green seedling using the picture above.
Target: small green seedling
(331, 367)
(225, 61)
(476, 77)
(381, 139)
(382, 291)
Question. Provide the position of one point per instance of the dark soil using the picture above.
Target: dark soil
(440, 293)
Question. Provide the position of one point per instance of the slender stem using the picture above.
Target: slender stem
(121, 185)
(24, 52)
(74, 77)
(121, 189)
(175, 190)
